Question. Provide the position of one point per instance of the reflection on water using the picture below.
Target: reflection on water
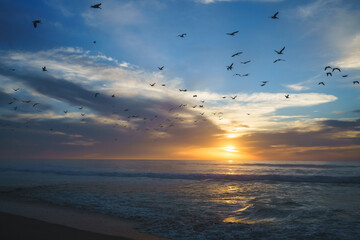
(198, 200)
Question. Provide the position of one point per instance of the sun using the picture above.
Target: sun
(230, 149)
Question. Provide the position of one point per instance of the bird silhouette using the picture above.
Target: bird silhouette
(81, 108)
(26, 101)
(201, 106)
(264, 83)
(182, 35)
(354, 82)
(237, 74)
(235, 54)
(126, 110)
(11, 102)
(96, 94)
(194, 106)
(233, 98)
(224, 97)
(35, 104)
(287, 95)
(36, 22)
(194, 95)
(163, 85)
(113, 95)
(230, 67)
(278, 60)
(182, 90)
(44, 69)
(246, 62)
(96, 6)
(82, 114)
(275, 16)
(345, 75)
(161, 68)
(321, 83)
(16, 89)
(12, 69)
(94, 42)
(329, 74)
(233, 33)
(336, 69)
(281, 51)
(152, 84)
(327, 68)
(66, 111)
(245, 75)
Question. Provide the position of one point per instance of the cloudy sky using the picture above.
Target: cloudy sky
(116, 51)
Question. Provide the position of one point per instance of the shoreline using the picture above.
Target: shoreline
(71, 221)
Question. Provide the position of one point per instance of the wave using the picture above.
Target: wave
(293, 165)
(229, 177)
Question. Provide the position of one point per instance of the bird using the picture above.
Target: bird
(246, 62)
(16, 89)
(11, 102)
(194, 95)
(281, 51)
(201, 106)
(235, 54)
(81, 108)
(329, 74)
(26, 101)
(345, 75)
(66, 111)
(202, 101)
(82, 114)
(275, 16)
(44, 69)
(237, 74)
(233, 33)
(355, 82)
(94, 42)
(113, 95)
(233, 98)
(161, 68)
(202, 113)
(35, 104)
(36, 22)
(152, 84)
(279, 59)
(336, 69)
(264, 83)
(182, 90)
(126, 110)
(321, 83)
(182, 35)
(12, 69)
(194, 106)
(96, 6)
(224, 97)
(245, 75)
(163, 85)
(287, 95)
(230, 67)
(96, 94)
(327, 68)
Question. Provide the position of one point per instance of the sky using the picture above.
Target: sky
(116, 51)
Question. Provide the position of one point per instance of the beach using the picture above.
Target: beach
(32, 219)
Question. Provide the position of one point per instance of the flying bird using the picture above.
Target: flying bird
(336, 69)
(182, 35)
(96, 6)
(126, 110)
(246, 62)
(36, 22)
(96, 94)
(230, 67)
(26, 101)
(275, 16)
(264, 83)
(245, 75)
(161, 68)
(278, 60)
(233, 33)
(355, 82)
(152, 84)
(194, 95)
(329, 74)
(327, 68)
(44, 69)
(321, 83)
(237, 74)
(224, 97)
(35, 104)
(194, 106)
(281, 51)
(82, 114)
(345, 75)
(11, 102)
(66, 111)
(163, 85)
(236, 54)
(81, 108)
(16, 89)
(94, 42)
(287, 95)
(12, 69)
(182, 90)
(233, 98)
(113, 95)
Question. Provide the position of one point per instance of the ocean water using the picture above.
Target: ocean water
(202, 199)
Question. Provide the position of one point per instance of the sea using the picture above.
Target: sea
(201, 199)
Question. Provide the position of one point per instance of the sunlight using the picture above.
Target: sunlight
(230, 149)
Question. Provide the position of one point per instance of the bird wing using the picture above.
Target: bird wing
(282, 49)
(276, 14)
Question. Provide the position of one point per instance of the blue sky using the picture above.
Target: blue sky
(133, 38)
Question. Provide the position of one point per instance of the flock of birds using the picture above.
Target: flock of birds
(170, 122)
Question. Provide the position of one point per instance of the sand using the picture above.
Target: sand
(31, 219)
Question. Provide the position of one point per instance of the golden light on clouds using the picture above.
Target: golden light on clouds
(230, 149)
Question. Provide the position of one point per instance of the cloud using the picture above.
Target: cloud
(214, 1)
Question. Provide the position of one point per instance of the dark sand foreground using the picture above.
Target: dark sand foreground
(17, 227)
(31, 219)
